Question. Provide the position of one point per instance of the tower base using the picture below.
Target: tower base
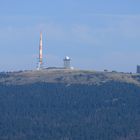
(40, 66)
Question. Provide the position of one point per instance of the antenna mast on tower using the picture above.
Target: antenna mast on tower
(40, 62)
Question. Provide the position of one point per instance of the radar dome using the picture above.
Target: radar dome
(67, 58)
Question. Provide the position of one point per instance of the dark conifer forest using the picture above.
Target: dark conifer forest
(54, 111)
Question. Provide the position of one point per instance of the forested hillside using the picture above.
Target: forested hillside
(59, 111)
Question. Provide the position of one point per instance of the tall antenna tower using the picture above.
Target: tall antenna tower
(40, 62)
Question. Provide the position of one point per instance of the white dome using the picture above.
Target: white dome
(67, 58)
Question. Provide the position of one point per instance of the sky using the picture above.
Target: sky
(95, 34)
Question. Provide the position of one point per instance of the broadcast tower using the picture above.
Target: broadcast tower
(40, 62)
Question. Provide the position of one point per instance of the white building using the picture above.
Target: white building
(67, 62)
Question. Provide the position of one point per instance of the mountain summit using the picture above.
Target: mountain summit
(67, 76)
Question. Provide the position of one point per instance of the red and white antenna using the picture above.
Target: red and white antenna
(40, 63)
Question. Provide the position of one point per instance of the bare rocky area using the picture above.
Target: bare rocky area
(67, 76)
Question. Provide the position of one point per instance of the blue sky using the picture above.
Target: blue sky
(98, 35)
